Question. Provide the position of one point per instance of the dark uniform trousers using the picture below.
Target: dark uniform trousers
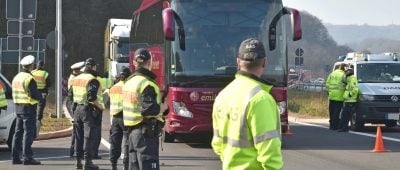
(97, 139)
(334, 112)
(118, 133)
(41, 106)
(144, 147)
(85, 130)
(25, 129)
(348, 109)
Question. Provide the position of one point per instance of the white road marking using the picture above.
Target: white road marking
(54, 157)
(352, 132)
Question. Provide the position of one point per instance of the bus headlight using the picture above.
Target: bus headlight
(181, 110)
(282, 107)
(366, 97)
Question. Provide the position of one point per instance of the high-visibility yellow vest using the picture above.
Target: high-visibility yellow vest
(246, 125)
(40, 78)
(116, 98)
(20, 89)
(351, 92)
(335, 85)
(3, 100)
(105, 83)
(79, 89)
(131, 94)
(71, 77)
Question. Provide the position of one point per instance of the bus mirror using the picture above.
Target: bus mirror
(296, 24)
(169, 24)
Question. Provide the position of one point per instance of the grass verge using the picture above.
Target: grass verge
(53, 124)
(308, 103)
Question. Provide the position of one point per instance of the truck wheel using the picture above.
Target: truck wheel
(168, 137)
(11, 135)
(391, 124)
(355, 123)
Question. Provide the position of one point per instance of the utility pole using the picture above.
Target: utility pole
(59, 58)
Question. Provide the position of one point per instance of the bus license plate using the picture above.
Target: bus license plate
(393, 116)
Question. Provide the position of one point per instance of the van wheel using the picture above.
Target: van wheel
(168, 137)
(391, 124)
(355, 123)
(11, 135)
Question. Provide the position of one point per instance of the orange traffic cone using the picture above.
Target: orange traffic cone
(379, 141)
(287, 132)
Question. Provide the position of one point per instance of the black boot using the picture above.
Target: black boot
(79, 164)
(114, 166)
(89, 165)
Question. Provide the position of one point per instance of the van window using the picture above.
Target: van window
(378, 73)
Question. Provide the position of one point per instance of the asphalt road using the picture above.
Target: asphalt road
(312, 146)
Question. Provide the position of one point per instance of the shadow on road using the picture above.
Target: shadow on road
(315, 138)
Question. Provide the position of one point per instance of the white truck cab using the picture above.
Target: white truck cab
(378, 78)
(7, 117)
(116, 46)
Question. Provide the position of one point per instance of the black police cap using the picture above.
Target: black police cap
(142, 55)
(251, 49)
(90, 62)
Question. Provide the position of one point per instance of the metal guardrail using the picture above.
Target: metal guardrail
(317, 87)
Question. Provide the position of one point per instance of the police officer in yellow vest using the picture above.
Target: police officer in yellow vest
(86, 91)
(25, 97)
(335, 85)
(3, 100)
(245, 116)
(142, 111)
(71, 106)
(350, 100)
(118, 130)
(43, 83)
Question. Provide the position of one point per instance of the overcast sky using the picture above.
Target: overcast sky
(344, 12)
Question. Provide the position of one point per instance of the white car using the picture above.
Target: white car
(7, 117)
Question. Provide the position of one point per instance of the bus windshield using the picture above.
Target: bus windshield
(378, 73)
(214, 31)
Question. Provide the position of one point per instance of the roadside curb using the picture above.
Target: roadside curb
(57, 134)
(308, 120)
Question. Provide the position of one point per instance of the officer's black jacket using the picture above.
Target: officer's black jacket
(150, 107)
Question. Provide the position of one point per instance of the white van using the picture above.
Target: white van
(7, 118)
(378, 78)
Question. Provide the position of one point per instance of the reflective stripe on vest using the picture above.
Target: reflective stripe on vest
(3, 100)
(243, 140)
(40, 78)
(132, 101)
(20, 90)
(116, 98)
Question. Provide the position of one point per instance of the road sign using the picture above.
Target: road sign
(11, 57)
(28, 9)
(299, 52)
(28, 28)
(50, 39)
(13, 43)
